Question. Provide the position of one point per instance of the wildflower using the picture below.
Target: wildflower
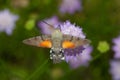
(80, 59)
(116, 47)
(115, 69)
(71, 29)
(45, 28)
(7, 21)
(79, 55)
(70, 6)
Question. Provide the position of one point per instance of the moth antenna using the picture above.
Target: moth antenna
(47, 24)
(59, 27)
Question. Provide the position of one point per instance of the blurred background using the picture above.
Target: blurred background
(19, 19)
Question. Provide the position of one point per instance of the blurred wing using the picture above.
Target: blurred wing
(72, 41)
(39, 41)
(48, 29)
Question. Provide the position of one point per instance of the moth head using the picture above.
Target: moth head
(57, 55)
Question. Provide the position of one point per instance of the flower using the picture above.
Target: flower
(115, 69)
(79, 55)
(70, 6)
(81, 59)
(7, 21)
(71, 29)
(115, 63)
(45, 28)
(116, 47)
(74, 52)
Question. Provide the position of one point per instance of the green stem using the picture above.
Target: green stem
(37, 70)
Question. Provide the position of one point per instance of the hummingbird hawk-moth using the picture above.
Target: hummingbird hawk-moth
(57, 41)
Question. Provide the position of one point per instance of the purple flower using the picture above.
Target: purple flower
(74, 52)
(79, 55)
(116, 47)
(71, 29)
(45, 28)
(7, 21)
(115, 69)
(81, 59)
(70, 6)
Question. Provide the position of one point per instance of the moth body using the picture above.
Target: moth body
(56, 52)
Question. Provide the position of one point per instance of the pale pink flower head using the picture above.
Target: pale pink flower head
(80, 59)
(72, 29)
(79, 56)
(70, 6)
(115, 69)
(116, 47)
(7, 21)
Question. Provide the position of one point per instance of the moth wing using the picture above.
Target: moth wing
(80, 41)
(67, 37)
(72, 41)
(39, 41)
(46, 28)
